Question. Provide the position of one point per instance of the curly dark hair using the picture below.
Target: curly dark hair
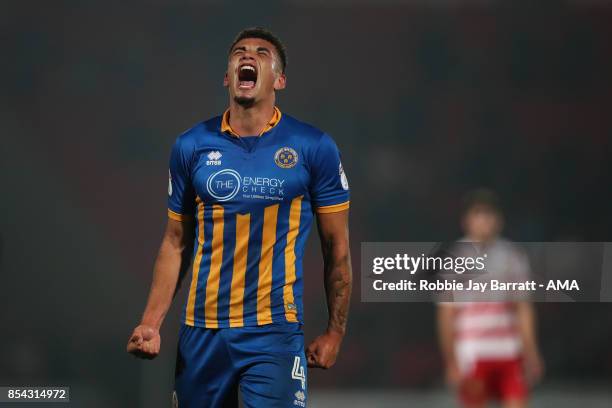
(481, 197)
(264, 34)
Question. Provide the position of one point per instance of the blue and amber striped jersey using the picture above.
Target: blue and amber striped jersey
(253, 200)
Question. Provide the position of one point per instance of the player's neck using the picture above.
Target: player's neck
(482, 240)
(252, 120)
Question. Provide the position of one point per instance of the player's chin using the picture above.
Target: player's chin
(245, 101)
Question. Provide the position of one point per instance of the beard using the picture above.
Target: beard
(244, 101)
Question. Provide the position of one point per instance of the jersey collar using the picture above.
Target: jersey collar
(225, 125)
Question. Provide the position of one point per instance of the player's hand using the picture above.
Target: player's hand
(453, 375)
(144, 342)
(322, 351)
(534, 367)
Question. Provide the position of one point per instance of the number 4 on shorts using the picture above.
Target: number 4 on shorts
(298, 372)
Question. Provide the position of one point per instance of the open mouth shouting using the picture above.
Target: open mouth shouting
(247, 76)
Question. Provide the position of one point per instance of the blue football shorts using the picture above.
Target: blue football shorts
(265, 364)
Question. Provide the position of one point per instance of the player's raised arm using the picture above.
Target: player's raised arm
(170, 267)
(333, 231)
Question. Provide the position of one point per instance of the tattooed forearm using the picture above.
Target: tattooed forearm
(338, 283)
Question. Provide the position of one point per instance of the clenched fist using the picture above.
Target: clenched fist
(323, 350)
(144, 342)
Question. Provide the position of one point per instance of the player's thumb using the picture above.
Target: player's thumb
(133, 345)
(136, 338)
(311, 356)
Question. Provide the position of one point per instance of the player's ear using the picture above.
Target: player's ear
(280, 82)
(225, 80)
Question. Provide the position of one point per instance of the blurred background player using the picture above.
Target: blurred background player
(243, 191)
(489, 348)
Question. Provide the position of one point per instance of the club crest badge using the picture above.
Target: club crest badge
(285, 157)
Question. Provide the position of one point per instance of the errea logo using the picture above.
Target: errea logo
(300, 397)
(213, 158)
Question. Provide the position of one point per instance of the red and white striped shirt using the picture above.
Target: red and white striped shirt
(488, 330)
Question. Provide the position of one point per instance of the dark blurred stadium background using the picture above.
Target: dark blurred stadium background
(426, 99)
